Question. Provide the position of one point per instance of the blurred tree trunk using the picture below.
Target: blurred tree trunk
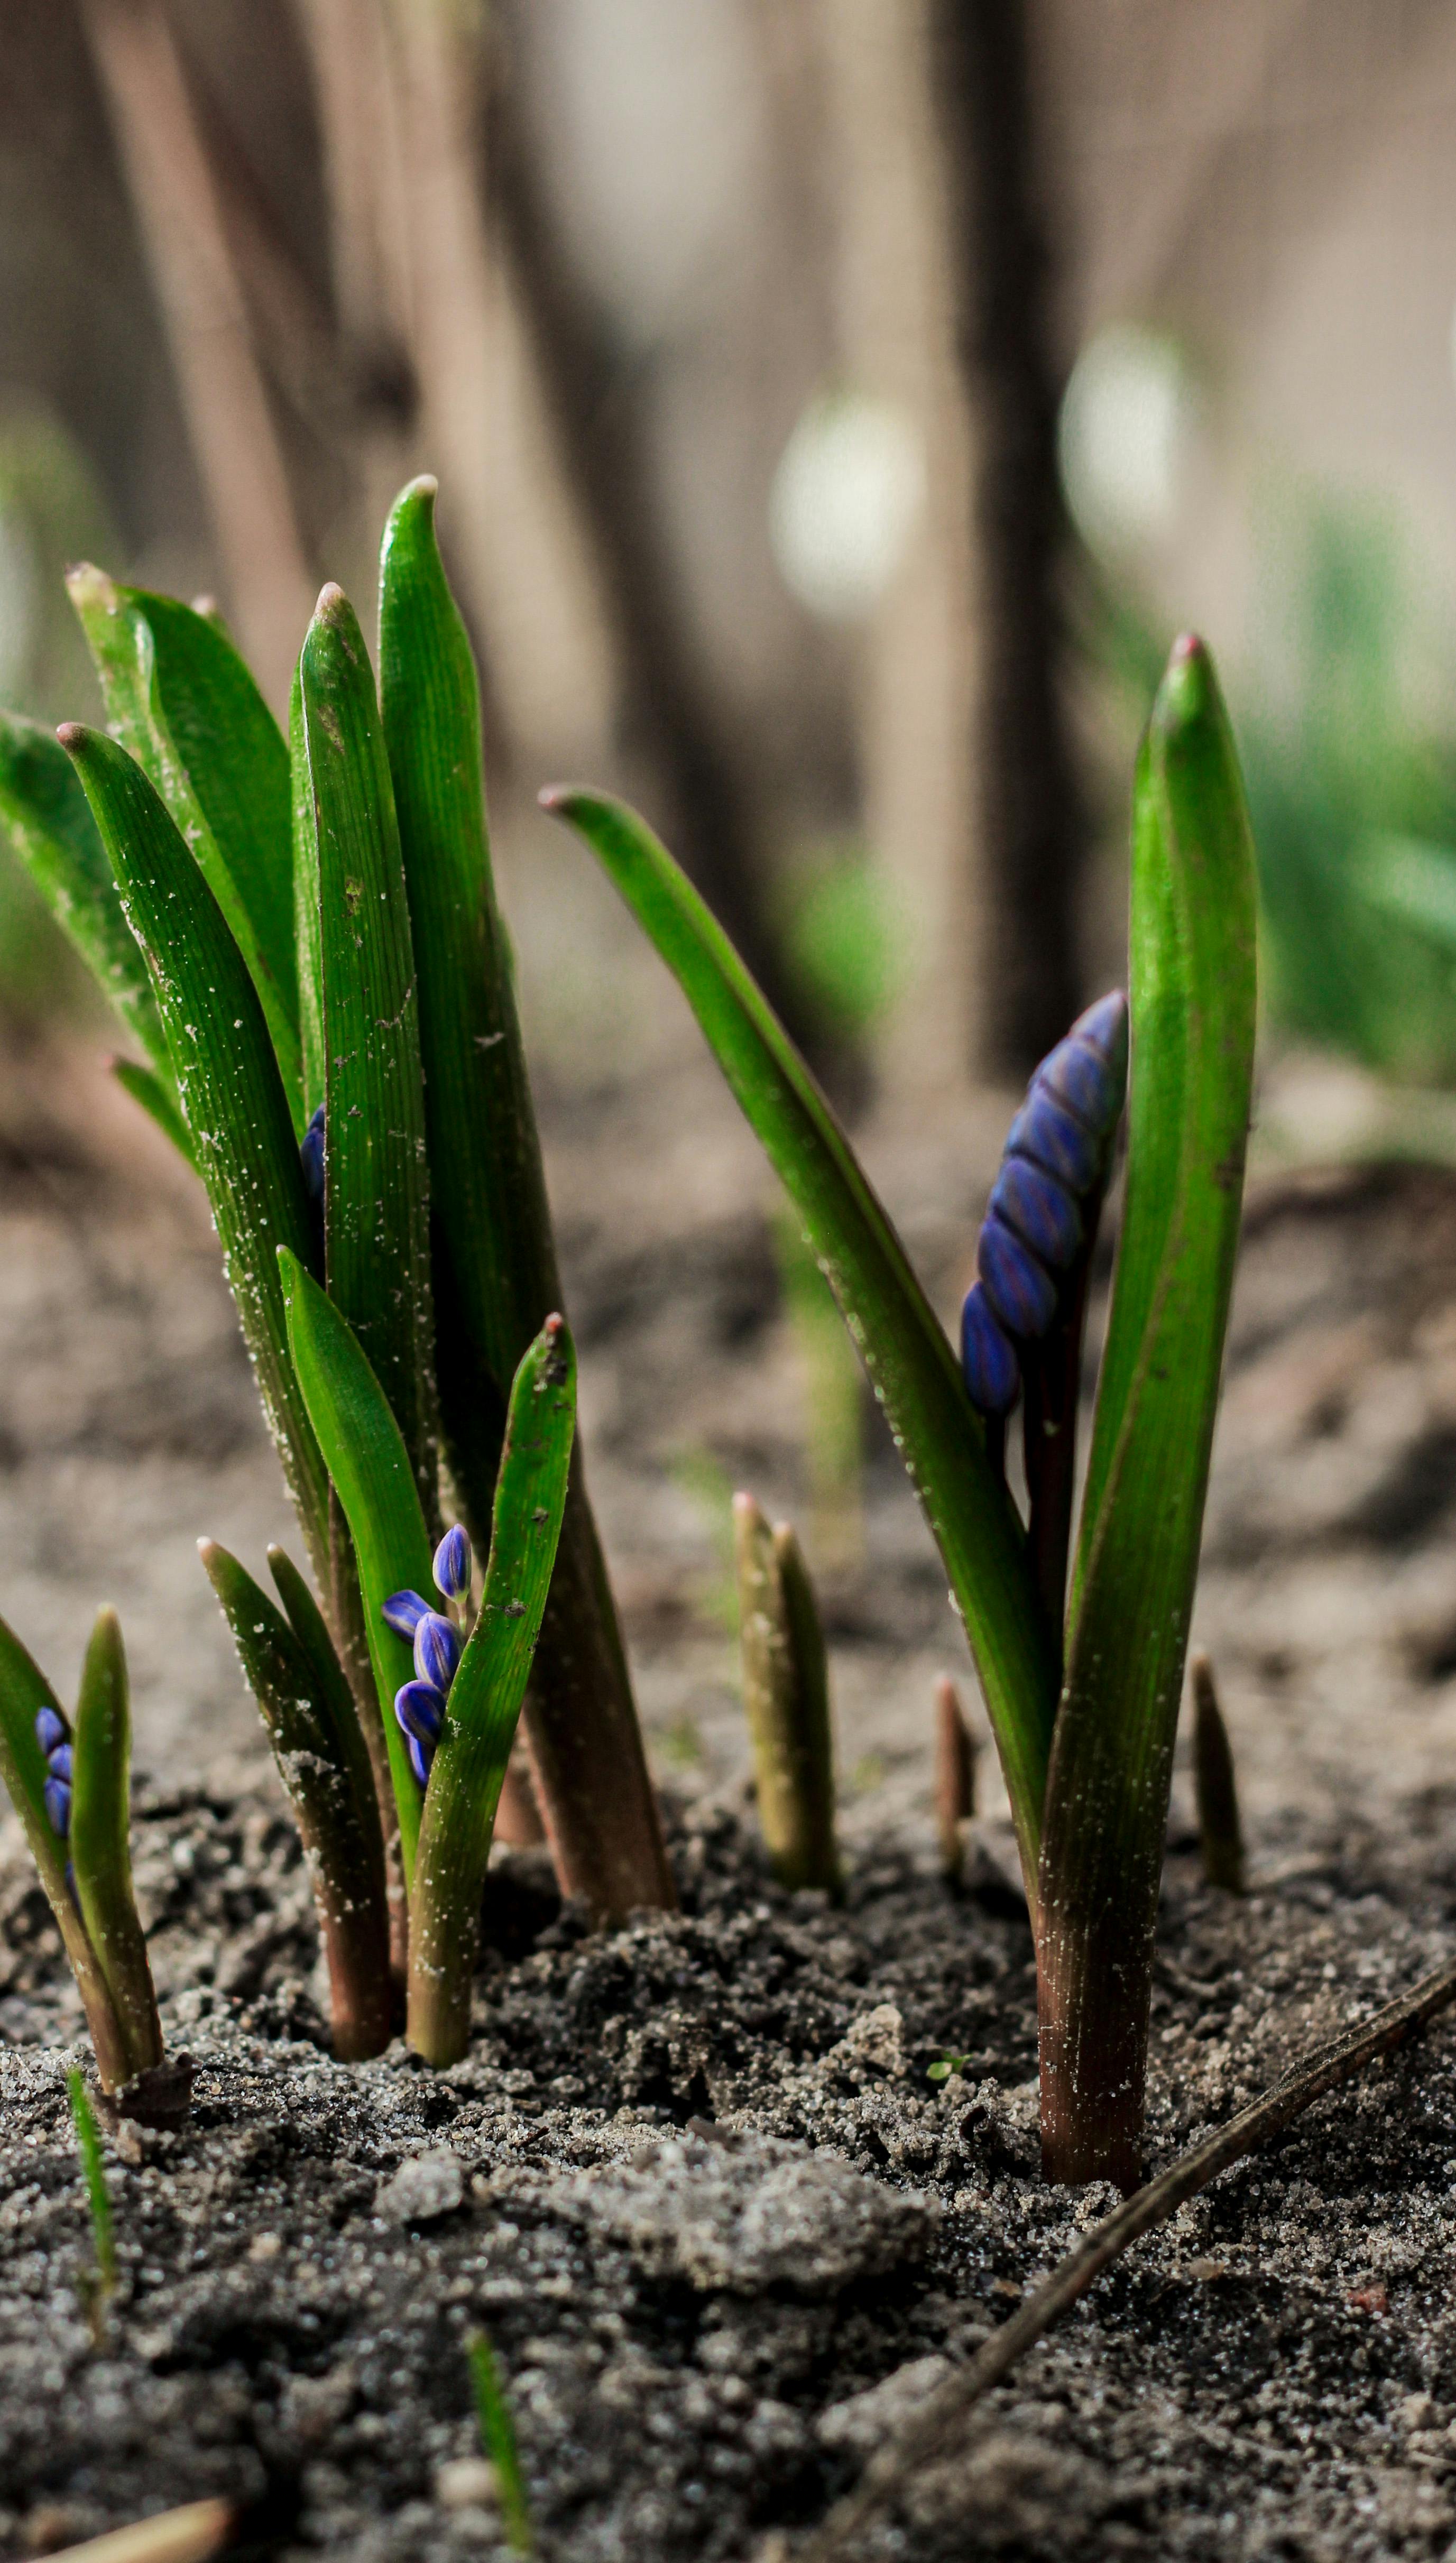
(1030, 818)
(669, 712)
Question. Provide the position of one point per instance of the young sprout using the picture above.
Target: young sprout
(1081, 1685)
(786, 1697)
(498, 2439)
(98, 2286)
(1216, 1788)
(70, 1785)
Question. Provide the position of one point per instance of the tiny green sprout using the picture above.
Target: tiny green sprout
(945, 2067)
(498, 2439)
(97, 2285)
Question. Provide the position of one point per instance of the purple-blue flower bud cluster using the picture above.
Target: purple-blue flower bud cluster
(419, 1705)
(1054, 1152)
(55, 1744)
(311, 1157)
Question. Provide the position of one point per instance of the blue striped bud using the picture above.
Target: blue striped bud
(987, 1356)
(403, 1613)
(1043, 1214)
(311, 1157)
(59, 1763)
(50, 1730)
(452, 1564)
(437, 1651)
(420, 1708)
(57, 1806)
(1088, 1072)
(1050, 1137)
(420, 1758)
(1022, 1291)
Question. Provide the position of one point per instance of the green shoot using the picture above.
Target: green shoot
(833, 1392)
(945, 2067)
(98, 2286)
(497, 2441)
(786, 1697)
(101, 1852)
(1220, 1833)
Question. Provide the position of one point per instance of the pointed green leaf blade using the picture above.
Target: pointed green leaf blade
(100, 1842)
(181, 700)
(370, 1468)
(376, 1187)
(1193, 1023)
(232, 1093)
(486, 1696)
(308, 1719)
(335, 1697)
(911, 1365)
(496, 1263)
(44, 814)
(23, 1689)
(308, 924)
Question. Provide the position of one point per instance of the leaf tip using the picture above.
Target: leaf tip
(1189, 684)
(86, 585)
(72, 735)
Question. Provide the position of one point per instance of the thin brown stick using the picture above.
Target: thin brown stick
(1219, 1830)
(955, 1775)
(934, 2431)
(192, 2534)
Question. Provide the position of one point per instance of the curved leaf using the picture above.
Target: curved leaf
(159, 1100)
(232, 1093)
(485, 1696)
(180, 698)
(912, 1367)
(100, 1842)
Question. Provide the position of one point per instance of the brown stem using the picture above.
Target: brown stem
(586, 1755)
(518, 1819)
(934, 2433)
(955, 1775)
(1031, 822)
(348, 1623)
(1220, 1833)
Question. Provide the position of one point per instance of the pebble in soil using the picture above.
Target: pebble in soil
(721, 2229)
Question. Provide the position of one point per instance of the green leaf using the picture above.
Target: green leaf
(494, 1257)
(100, 1842)
(903, 1348)
(1193, 1023)
(1415, 883)
(46, 818)
(306, 1707)
(370, 1468)
(159, 1102)
(376, 1181)
(180, 698)
(485, 1696)
(336, 1697)
(232, 1094)
(23, 1689)
(308, 924)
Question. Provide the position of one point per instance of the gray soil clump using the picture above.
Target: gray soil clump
(722, 2230)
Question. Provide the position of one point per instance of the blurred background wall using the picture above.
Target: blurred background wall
(837, 405)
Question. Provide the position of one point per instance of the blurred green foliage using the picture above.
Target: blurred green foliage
(843, 937)
(50, 514)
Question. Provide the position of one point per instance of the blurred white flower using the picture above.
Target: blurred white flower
(1122, 436)
(846, 497)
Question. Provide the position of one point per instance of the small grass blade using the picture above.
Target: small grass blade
(46, 815)
(486, 1696)
(102, 2285)
(232, 1094)
(100, 1842)
(23, 1689)
(313, 1727)
(1193, 1023)
(159, 1103)
(900, 1340)
(181, 702)
(498, 2439)
(369, 1464)
(376, 1182)
(1220, 1833)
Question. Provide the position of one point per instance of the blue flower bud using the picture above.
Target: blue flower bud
(419, 1709)
(50, 1730)
(420, 1758)
(57, 1806)
(1022, 1291)
(1050, 1137)
(437, 1651)
(1043, 1214)
(987, 1356)
(452, 1564)
(403, 1613)
(311, 1157)
(59, 1763)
